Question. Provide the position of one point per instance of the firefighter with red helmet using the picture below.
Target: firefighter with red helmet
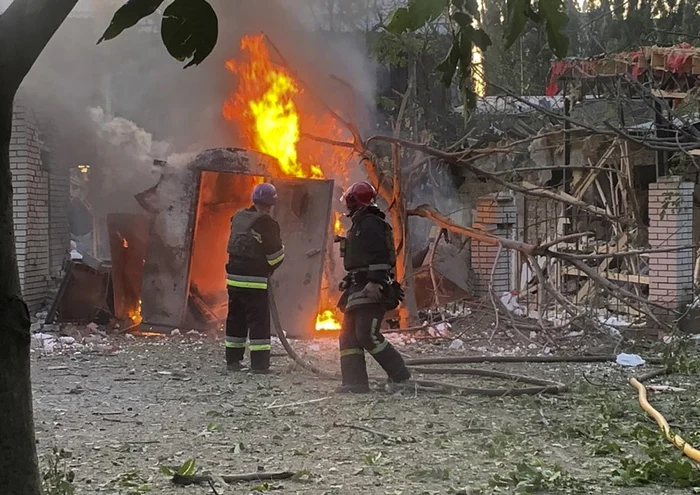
(369, 258)
(255, 251)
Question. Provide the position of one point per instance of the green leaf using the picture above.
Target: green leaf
(190, 30)
(213, 427)
(448, 66)
(481, 39)
(469, 99)
(128, 15)
(473, 8)
(167, 470)
(416, 15)
(466, 43)
(517, 19)
(400, 21)
(552, 11)
(462, 19)
(188, 468)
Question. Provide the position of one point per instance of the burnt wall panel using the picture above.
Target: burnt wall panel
(303, 211)
(172, 205)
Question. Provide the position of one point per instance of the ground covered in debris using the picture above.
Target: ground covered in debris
(125, 411)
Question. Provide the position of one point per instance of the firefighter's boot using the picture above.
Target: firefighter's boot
(391, 361)
(354, 372)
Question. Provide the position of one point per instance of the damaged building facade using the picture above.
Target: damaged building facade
(41, 197)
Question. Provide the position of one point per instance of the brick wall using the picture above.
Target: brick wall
(30, 183)
(671, 225)
(495, 213)
(56, 161)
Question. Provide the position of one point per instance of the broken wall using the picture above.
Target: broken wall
(172, 204)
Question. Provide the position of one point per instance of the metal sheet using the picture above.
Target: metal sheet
(128, 240)
(304, 213)
(172, 204)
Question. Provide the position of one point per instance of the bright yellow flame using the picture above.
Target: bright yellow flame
(338, 225)
(265, 101)
(125, 243)
(327, 320)
(135, 314)
(265, 105)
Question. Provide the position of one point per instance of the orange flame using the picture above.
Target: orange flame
(135, 314)
(266, 104)
(125, 243)
(327, 320)
(338, 228)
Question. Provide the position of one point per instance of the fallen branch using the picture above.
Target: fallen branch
(431, 213)
(300, 403)
(204, 479)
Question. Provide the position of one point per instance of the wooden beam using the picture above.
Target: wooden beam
(675, 95)
(620, 277)
(588, 180)
(588, 284)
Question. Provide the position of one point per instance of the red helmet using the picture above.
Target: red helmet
(358, 195)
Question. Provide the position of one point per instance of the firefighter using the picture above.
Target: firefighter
(255, 251)
(369, 258)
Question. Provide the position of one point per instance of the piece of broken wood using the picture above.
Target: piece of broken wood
(196, 479)
(300, 403)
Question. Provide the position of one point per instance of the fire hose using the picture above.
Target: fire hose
(541, 386)
(687, 450)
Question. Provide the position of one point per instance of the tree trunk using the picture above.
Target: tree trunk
(26, 27)
(19, 471)
(408, 311)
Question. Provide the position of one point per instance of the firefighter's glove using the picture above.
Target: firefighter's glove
(373, 291)
(343, 285)
(400, 294)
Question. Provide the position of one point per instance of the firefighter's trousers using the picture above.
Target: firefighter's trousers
(360, 333)
(248, 316)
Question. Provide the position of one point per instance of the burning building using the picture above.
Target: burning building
(182, 275)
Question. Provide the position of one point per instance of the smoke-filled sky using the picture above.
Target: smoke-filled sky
(126, 101)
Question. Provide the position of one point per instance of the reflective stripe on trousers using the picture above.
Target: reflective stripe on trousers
(235, 342)
(255, 344)
(246, 281)
(351, 352)
(378, 346)
(260, 345)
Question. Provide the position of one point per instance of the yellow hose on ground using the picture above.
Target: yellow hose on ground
(689, 451)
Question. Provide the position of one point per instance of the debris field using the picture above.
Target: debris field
(125, 414)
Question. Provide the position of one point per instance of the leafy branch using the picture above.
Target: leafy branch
(463, 21)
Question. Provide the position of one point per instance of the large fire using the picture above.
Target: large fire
(265, 101)
(266, 104)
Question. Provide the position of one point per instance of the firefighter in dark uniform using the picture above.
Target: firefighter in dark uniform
(255, 252)
(369, 291)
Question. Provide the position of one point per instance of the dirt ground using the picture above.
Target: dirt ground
(123, 412)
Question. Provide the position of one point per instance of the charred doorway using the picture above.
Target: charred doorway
(220, 196)
(184, 281)
(303, 212)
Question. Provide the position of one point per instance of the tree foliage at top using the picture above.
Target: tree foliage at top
(189, 28)
(463, 22)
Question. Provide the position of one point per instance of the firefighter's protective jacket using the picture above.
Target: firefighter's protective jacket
(369, 246)
(255, 249)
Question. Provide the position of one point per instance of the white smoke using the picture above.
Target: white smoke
(127, 135)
